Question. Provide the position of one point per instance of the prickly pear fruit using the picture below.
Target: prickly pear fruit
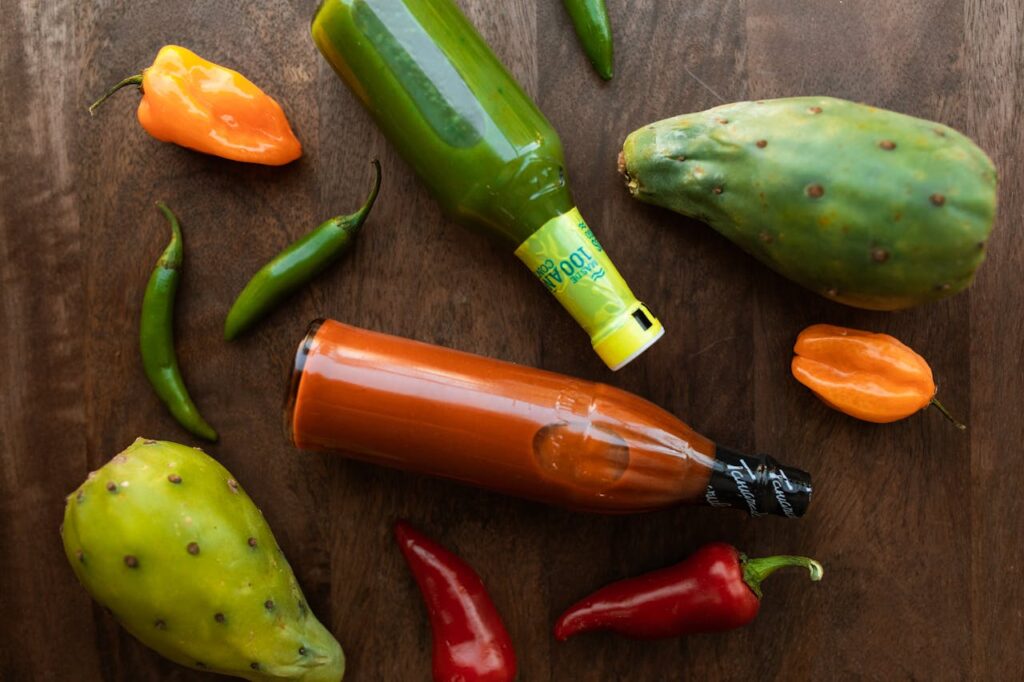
(167, 540)
(865, 206)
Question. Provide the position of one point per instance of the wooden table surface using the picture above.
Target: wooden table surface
(919, 526)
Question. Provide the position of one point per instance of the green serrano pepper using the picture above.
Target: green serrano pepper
(303, 260)
(590, 17)
(156, 335)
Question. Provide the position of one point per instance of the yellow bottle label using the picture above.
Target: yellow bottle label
(566, 257)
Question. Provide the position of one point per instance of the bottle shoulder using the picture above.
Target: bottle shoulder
(517, 200)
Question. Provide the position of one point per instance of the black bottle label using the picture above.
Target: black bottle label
(758, 484)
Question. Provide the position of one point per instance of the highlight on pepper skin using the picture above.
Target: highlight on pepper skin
(209, 108)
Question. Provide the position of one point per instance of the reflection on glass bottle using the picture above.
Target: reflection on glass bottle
(580, 455)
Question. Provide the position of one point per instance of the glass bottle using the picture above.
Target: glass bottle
(484, 150)
(516, 429)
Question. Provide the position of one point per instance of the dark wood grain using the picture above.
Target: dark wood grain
(919, 526)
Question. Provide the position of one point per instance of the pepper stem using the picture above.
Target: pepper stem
(130, 80)
(364, 210)
(947, 415)
(756, 570)
(172, 256)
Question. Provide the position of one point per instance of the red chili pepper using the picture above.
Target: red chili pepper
(714, 590)
(471, 643)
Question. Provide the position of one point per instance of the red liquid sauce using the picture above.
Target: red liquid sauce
(492, 424)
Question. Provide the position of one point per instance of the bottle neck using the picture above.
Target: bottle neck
(758, 485)
(565, 255)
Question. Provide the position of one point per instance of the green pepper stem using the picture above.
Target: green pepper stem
(756, 570)
(354, 222)
(171, 258)
(947, 415)
(364, 210)
(130, 80)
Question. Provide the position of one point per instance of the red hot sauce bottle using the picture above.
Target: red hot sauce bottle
(516, 430)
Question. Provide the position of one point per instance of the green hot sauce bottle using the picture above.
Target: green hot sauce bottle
(486, 152)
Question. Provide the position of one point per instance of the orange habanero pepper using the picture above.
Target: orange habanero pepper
(869, 376)
(212, 109)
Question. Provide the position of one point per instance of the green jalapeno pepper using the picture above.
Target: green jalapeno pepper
(303, 260)
(156, 335)
(590, 17)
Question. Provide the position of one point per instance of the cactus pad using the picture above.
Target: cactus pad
(167, 540)
(865, 206)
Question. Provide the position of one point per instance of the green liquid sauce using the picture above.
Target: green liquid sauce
(451, 109)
